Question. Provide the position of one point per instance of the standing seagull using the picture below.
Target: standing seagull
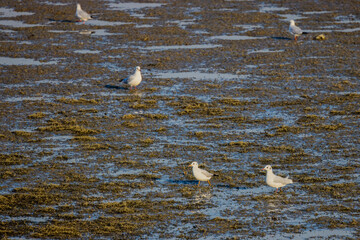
(81, 14)
(295, 30)
(201, 174)
(134, 79)
(275, 181)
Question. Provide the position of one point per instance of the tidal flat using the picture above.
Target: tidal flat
(224, 84)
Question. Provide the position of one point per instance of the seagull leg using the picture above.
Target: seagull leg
(209, 183)
(199, 183)
(296, 38)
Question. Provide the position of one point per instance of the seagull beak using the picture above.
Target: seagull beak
(190, 165)
(263, 169)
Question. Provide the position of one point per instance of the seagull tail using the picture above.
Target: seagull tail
(305, 33)
(289, 180)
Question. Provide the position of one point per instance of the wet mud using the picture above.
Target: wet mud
(224, 84)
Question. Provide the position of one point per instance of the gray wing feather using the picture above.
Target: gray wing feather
(278, 179)
(206, 173)
(83, 15)
(295, 30)
(130, 78)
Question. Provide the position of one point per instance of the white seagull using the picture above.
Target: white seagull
(81, 14)
(201, 174)
(295, 30)
(134, 79)
(275, 181)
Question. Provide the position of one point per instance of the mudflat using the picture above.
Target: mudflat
(224, 84)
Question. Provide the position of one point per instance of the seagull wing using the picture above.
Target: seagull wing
(83, 15)
(130, 78)
(295, 30)
(206, 173)
(278, 179)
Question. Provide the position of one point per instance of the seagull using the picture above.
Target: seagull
(201, 174)
(295, 30)
(81, 14)
(134, 79)
(275, 181)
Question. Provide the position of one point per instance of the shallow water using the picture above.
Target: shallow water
(17, 24)
(235, 37)
(10, 13)
(22, 61)
(224, 84)
(177, 47)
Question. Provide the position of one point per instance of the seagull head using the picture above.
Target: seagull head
(138, 68)
(194, 164)
(267, 168)
(78, 6)
(292, 22)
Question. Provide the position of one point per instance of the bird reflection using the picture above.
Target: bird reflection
(203, 196)
(273, 205)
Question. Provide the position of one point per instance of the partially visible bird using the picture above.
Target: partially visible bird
(134, 79)
(295, 30)
(81, 14)
(275, 181)
(201, 174)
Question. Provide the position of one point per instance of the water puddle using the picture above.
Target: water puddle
(201, 32)
(288, 17)
(103, 32)
(347, 19)
(316, 12)
(95, 22)
(31, 130)
(47, 81)
(85, 51)
(315, 234)
(349, 30)
(131, 6)
(17, 24)
(59, 138)
(8, 31)
(94, 32)
(115, 173)
(196, 75)
(21, 99)
(8, 61)
(142, 16)
(28, 219)
(9, 13)
(235, 37)
(183, 23)
(176, 47)
(60, 31)
(264, 8)
(265, 50)
(18, 42)
(55, 3)
(144, 26)
(248, 27)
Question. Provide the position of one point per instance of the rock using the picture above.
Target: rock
(319, 37)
